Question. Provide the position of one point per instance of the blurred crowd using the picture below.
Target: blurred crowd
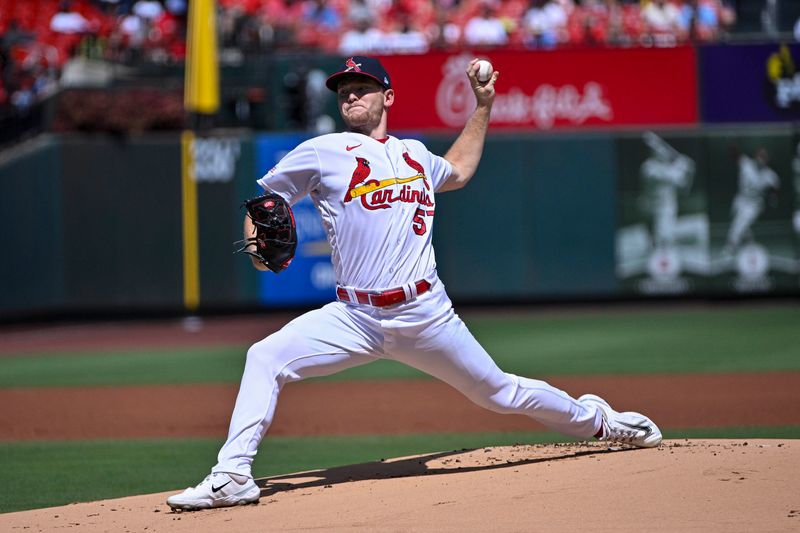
(37, 37)
(414, 26)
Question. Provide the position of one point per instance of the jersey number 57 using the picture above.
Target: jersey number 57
(418, 222)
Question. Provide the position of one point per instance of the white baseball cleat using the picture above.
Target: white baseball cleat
(627, 428)
(216, 490)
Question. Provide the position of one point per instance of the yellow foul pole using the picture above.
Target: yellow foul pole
(191, 241)
(201, 97)
(201, 91)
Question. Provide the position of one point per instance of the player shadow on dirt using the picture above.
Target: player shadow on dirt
(413, 466)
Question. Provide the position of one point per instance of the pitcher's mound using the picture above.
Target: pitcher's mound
(701, 485)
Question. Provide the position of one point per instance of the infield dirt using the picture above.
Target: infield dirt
(709, 486)
(384, 407)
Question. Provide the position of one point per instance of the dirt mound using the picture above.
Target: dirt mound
(712, 485)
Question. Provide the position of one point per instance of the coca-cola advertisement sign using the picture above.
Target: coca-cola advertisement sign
(537, 90)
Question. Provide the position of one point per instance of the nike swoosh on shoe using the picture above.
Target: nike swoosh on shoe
(217, 489)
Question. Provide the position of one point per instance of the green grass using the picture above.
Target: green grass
(45, 474)
(684, 340)
(646, 341)
(777, 432)
(124, 367)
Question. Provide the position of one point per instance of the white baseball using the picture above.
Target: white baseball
(485, 71)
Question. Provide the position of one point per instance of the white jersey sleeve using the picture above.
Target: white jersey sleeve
(441, 169)
(771, 178)
(296, 175)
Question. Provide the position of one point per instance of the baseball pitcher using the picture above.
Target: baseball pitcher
(756, 179)
(377, 198)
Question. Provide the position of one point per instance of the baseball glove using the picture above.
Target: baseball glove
(275, 239)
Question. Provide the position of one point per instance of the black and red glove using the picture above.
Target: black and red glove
(275, 240)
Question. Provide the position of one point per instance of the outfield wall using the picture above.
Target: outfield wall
(608, 173)
(93, 223)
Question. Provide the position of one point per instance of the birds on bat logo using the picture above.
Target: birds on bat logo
(359, 175)
(375, 194)
(351, 65)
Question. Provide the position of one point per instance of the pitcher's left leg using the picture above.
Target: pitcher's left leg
(447, 350)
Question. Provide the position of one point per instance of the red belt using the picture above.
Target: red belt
(382, 298)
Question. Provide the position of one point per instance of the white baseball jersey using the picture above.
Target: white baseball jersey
(754, 180)
(376, 200)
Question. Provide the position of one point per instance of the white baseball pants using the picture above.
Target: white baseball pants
(745, 211)
(424, 333)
